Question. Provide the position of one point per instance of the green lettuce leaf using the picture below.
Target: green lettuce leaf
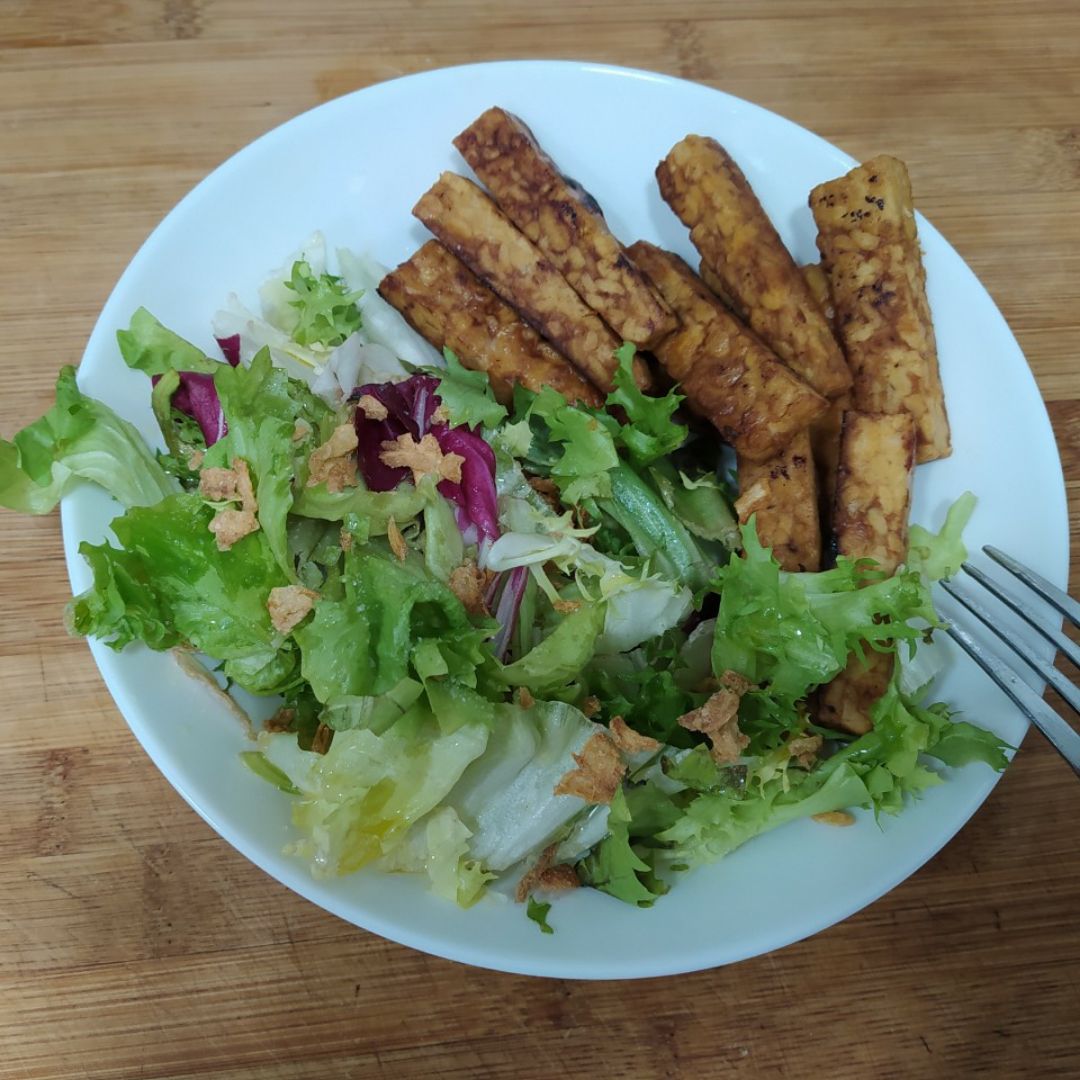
(467, 395)
(414, 796)
(374, 507)
(561, 655)
(376, 713)
(454, 703)
(444, 548)
(940, 555)
(266, 770)
(578, 446)
(961, 742)
(697, 771)
(315, 549)
(124, 604)
(792, 632)
(699, 503)
(361, 644)
(649, 432)
(657, 535)
(715, 822)
(153, 349)
(880, 770)
(512, 440)
(79, 438)
(645, 687)
(582, 447)
(615, 867)
(902, 731)
(149, 347)
(262, 406)
(164, 413)
(168, 585)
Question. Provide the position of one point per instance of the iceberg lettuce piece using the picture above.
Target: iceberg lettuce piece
(506, 796)
(359, 800)
(438, 845)
(79, 438)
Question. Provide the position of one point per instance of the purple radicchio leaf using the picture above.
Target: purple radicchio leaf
(197, 397)
(410, 406)
(230, 348)
(474, 498)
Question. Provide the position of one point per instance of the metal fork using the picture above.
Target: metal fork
(1064, 739)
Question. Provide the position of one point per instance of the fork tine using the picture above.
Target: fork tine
(1064, 739)
(1043, 668)
(1010, 599)
(1050, 593)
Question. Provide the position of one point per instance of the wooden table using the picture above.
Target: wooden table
(133, 941)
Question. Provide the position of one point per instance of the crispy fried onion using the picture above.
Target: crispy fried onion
(334, 463)
(423, 458)
(542, 876)
(600, 769)
(627, 739)
(718, 719)
(230, 486)
(289, 605)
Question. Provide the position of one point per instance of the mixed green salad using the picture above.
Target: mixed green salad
(519, 645)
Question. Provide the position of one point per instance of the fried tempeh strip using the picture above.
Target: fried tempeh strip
(873, 498)
(846, 703)
(467, 222)
(873, 487)
(817, 281)
(566, 223)
(782, 493)
(701, 182)
(870, 248)
(445, 302)
(717, 286)
(755, 402)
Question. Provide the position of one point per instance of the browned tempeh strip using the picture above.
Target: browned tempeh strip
(817, 281)
(755, 402)
(873, 487)
(717, 286)
(729, 227)
(873, 498)
(443, 300)
(870, 248)
(480, 234)
(782, 493)
(846, 703)
(566, 223)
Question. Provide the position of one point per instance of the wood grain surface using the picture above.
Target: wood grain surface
(133, 941)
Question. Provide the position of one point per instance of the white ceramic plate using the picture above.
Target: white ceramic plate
(353, 168)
